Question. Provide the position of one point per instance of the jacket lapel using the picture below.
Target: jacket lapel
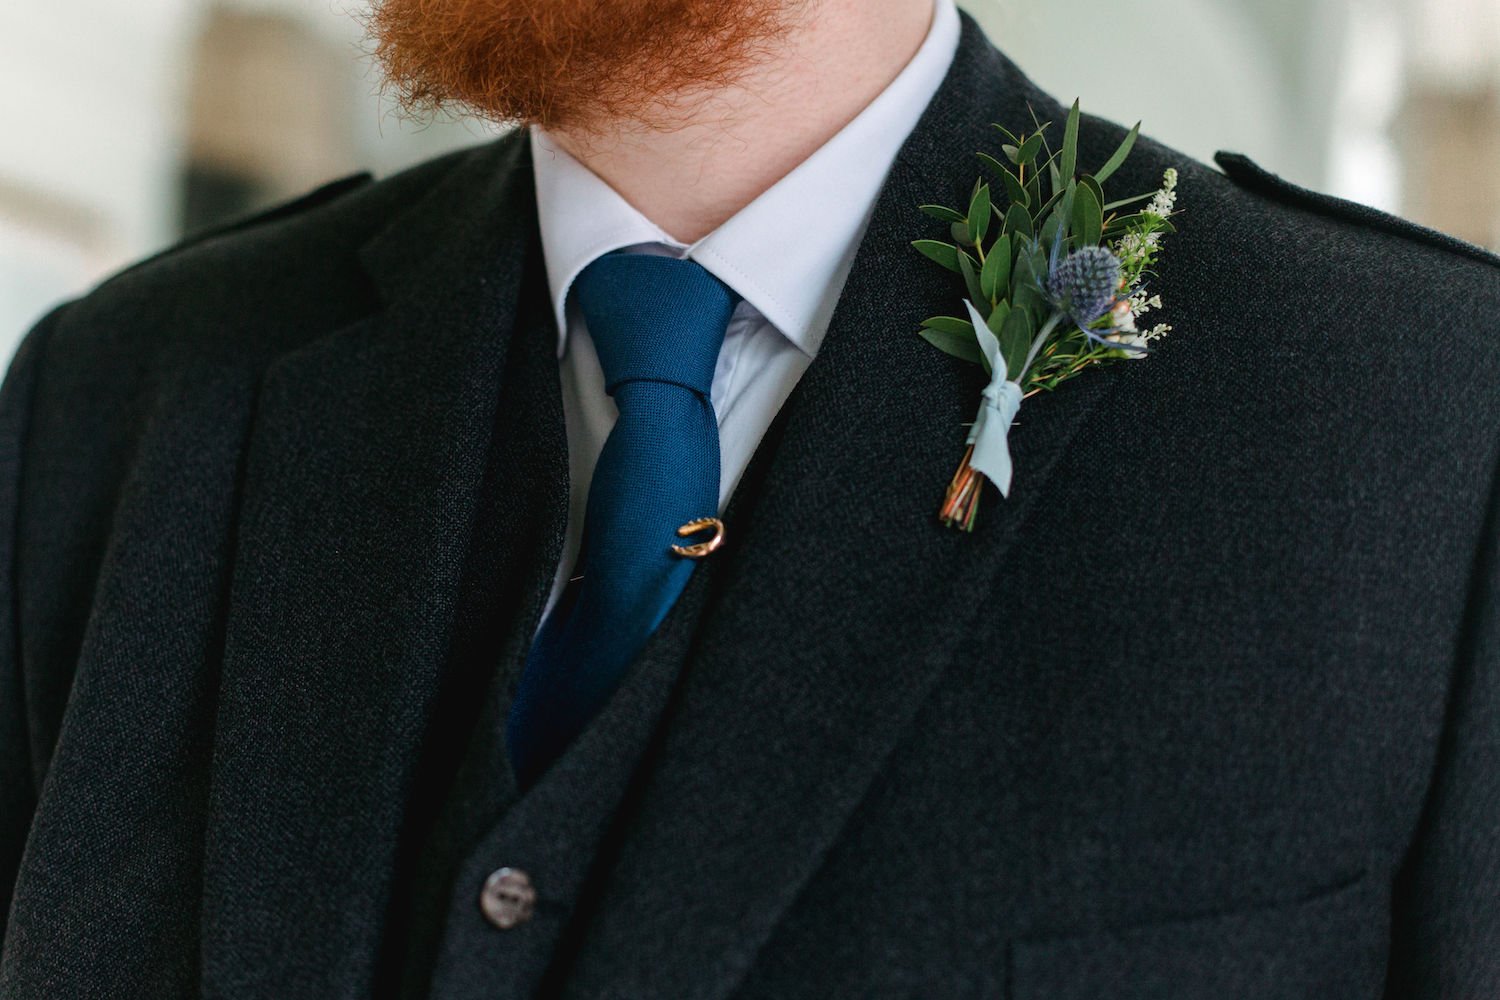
(360, 491)
(843, 600)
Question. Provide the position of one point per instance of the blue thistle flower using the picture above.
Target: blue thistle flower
(1083, 284)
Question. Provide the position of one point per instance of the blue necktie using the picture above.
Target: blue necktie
(657, 323)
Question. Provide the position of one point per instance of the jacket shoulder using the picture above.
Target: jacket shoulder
(285, 210)
(1253, 177)
(259, 279)
(1294, 250)
(220, 304)
(308, 236)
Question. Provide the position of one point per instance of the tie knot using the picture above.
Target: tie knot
(654, 318)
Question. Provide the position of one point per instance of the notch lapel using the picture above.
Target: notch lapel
(360, 490)
(844, 598)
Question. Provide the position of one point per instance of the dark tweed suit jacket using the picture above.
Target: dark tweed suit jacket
(1209, 708)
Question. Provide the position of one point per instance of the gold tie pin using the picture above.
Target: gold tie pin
(700, 549)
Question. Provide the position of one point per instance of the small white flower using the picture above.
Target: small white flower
(1163, 200)
(1131, 245)
(1140, 304)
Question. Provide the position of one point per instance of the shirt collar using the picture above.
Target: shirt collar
(788, 270)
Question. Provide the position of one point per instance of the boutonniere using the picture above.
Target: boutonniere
(1057, 282)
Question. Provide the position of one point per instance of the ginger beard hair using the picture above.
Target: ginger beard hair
(569, 65)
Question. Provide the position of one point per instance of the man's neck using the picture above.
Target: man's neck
(722, 149)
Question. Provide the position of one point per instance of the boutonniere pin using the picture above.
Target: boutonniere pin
(1056, 280)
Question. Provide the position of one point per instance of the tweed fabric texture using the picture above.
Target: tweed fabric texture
(465, 783)
(887, 760)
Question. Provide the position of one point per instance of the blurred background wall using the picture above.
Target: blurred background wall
(127, 123)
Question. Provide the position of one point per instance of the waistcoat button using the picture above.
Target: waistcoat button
(507, 898)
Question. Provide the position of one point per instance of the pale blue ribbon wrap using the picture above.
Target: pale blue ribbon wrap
(999, 404)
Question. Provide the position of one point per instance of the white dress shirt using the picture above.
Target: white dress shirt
(787, 254)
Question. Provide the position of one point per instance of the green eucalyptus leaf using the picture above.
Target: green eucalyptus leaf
(1029, 149)
(996, 321)
(1053, 160)
(1065, 207)
(1090, 182)
(1058, 218)
(1118, 159)
(943, 253)
(1039, 253)
(1049, 231)
(1025, 278)
(1015, 341)
(994, 165)
(1125, 222)
(961, 344)
(1012, 153)
(1014, 189)
(943, 213)
(1128, 201)
(1034, 188)
(1020, 244)
(979, 214)
(970, 271)
(1069, 163)
(1007, 133)
(1048, 205)
(1087, 216)
(995, 275)
(1018, 220)
(949, 324)
(959, 232)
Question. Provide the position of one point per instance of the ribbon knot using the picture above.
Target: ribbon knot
(999, 404)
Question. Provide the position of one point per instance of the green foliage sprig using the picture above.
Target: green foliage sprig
(1055, 271)
(1007, 243)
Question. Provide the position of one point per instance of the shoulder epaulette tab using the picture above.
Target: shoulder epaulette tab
(1249, 174)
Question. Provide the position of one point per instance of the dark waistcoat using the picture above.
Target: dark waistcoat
(469, 817)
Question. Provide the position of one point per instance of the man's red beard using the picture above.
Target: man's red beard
(576, 65)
